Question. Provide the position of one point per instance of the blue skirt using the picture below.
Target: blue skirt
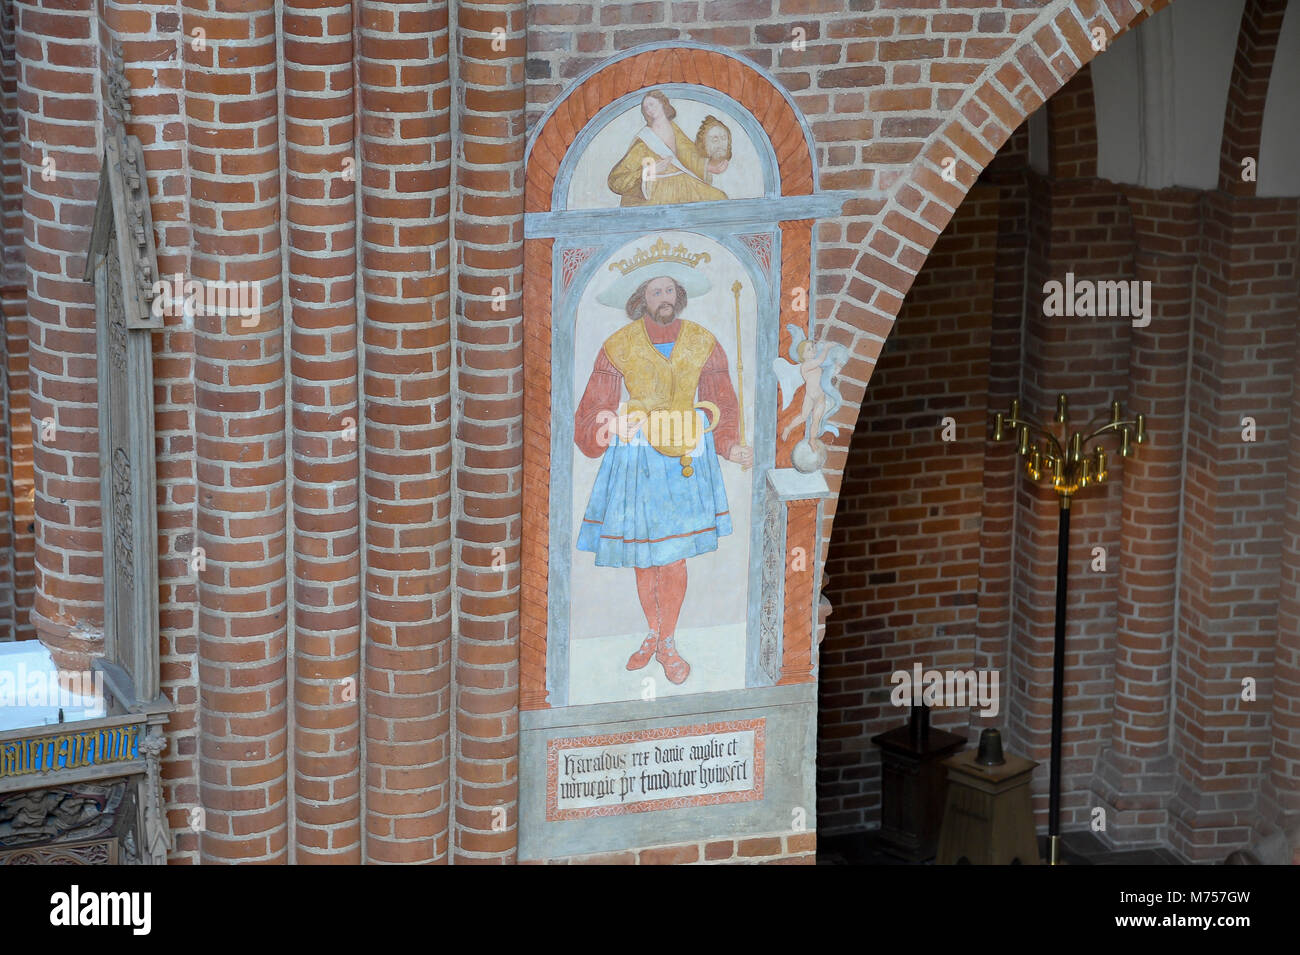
(644, 513)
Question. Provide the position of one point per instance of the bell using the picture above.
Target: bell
(990, 751)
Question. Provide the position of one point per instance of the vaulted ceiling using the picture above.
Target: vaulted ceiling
(1184, 98)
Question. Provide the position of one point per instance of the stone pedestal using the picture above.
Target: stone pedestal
(988, 818)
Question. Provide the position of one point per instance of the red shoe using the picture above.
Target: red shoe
(639, 659)
(675, 668)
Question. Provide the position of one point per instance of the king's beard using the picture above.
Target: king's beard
(663, 315)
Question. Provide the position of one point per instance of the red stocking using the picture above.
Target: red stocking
(672, 592)
(647, 588)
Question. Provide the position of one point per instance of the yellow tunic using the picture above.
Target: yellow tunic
(663, 189)
(661, 388)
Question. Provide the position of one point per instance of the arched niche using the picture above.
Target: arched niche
(756, 235)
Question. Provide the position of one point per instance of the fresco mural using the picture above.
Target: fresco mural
(669, 611)
(667, 150)
(812, 368)
(662, 470)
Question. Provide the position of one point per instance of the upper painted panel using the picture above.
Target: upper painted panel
(670, 145)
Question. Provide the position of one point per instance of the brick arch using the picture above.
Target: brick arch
(1243, 121)
(655, 66)
(1040, 61)
(1072, 129)
(897, 238)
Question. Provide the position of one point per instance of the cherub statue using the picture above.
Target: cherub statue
(813, 366)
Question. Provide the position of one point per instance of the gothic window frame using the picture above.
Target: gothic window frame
(121, 261)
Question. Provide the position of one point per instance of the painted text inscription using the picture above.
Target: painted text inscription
(654, 769)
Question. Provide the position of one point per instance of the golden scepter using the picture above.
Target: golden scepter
(740, 365)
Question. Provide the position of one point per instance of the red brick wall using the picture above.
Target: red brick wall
(778, 848)
(1078, 226)
(7, 608)
(1005, 528)
(57, 100)
(233, 146)
(1072, 129)
(1135, 774)
(1243, 122)
(13, 525)
(1224, 276)
(11, 205)
(902, 575)
(13, 302)
(1049, 227)
(405, 235)
(321, 211)
(1244, 348)
(1009, 173)
(880, 88)
(489, 475)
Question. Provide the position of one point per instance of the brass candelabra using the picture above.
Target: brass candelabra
(1077, 463)
(1072, 464)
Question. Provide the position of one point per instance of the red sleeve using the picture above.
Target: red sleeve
(715, 386)
(592, 421)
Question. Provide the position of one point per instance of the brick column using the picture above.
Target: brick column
(1234, 503)
(12, 288)
(489, 460)
(1234, 499)
(321, 212)
(232, 126)
(11, 171)
(60, 159)
(7, 605)
(1284, 753)
(13, 301)
(1079, 226)
(404, 104)
(1001, 473)
(1135, 773)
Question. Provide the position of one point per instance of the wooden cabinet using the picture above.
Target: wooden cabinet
(912, 788)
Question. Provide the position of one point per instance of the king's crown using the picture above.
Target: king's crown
(660, 251)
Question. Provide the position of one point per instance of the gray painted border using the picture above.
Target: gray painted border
(667, 707)
(740, 215)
